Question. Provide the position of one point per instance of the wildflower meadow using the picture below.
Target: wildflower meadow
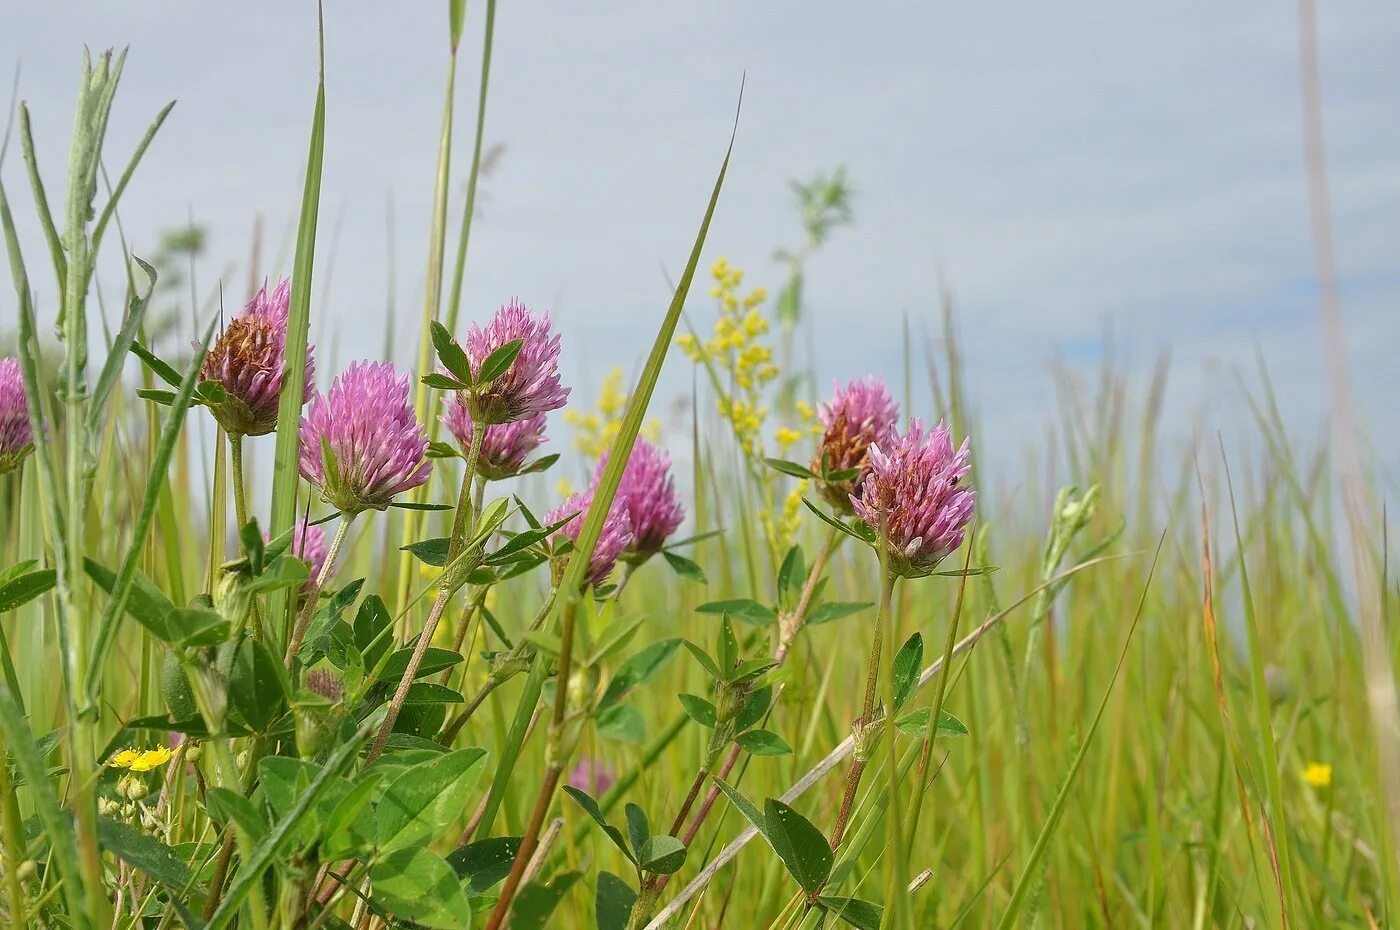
(291, 640)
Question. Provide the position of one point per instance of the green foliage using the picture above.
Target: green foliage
(418, 885)
(22, 583)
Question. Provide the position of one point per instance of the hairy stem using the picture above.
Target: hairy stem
(240, 495)
(309, 609)
(449, 732)
(872, 679)
(695, 787)
(558, 752)
(13, 842)
(926, 749)
(462, 524)
(789, 626)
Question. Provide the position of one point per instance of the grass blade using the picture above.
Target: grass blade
(284, 463)
(41, 197)
(1030, 870)
(117, 352)
(116, 605)
(603, 496)
(19, 739)
(110, 208)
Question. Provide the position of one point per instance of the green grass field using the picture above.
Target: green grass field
(1159, 686)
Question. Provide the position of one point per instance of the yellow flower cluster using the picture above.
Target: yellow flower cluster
(782, 528)
(807, 425)
(139, 760)
(594, 432)
(736, 348)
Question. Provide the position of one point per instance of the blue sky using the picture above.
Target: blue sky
(1068, 172)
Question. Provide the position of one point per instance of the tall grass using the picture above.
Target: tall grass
(1148, 698)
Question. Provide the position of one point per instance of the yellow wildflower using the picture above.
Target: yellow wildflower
(594, 432)
(141, 760)
(1318, 774)
(152, 759)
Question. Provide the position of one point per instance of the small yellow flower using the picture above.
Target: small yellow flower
(1318, 774)
(141, 760)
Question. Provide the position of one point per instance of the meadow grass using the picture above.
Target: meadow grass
(1147, 697)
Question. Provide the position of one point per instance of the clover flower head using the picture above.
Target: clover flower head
(531, 385)
(377, 446)
(16, 432)
(915, 497)
(860, 414)
(615, 537)
(249, 361)
(648, 492)
(504, 447)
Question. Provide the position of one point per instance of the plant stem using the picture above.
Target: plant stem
(872, 678)
(926, 750)
(645, 903)
(789, 627)
(898, 870)
(476, 603)
(462, 524)
(695, 787)
(449, 732)
(304, 617)
(211, 709)
(240, 496)
(557, 754)
(12, 841)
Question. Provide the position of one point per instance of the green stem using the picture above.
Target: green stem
(897, 877)
(240, 497)
(477, 603)
(449, 732)
(944, 671)
(462, 525)
(872, 678)
(211, 709)
(789, 626)
(304, 617)
(12, 840)
(459, 271)
(82, 736)
(557, 753)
